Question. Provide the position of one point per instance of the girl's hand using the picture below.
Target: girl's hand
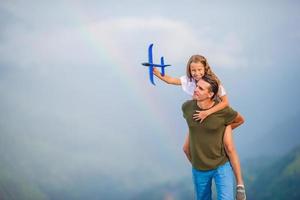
(200, 115)
(156, 71)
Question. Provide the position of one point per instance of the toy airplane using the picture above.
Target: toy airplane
(150, 64)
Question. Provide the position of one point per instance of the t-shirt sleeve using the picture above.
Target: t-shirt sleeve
(183, 108)
(230, 115)
(222, 91)
(187, 85)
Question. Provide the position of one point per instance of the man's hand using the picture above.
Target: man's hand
(237, 121)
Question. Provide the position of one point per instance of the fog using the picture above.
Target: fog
(77, 104)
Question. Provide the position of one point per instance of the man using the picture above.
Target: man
(208, 156)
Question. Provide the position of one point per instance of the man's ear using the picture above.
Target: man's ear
(211, 94)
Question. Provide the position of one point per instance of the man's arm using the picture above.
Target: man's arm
(186, 147)
(237, 121)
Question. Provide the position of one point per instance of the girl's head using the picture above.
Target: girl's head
(197, 67)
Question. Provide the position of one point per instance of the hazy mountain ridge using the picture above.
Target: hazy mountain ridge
(265, 178)
(279, 180)
(14, 186)
(279, 174)
(182, 189)
(281, 139)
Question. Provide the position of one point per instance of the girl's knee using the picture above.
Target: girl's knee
(185, 149)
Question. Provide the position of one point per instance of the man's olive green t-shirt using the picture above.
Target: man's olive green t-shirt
(206, 138)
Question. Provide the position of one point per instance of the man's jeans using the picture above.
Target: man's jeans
(223, 177)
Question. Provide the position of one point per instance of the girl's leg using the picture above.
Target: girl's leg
(232, 154)
(235, 163)
(186, 147)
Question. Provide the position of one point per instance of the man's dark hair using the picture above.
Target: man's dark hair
(214, 86)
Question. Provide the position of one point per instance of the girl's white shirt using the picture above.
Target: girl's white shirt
(190, 86)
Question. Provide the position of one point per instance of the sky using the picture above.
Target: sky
(76, 100)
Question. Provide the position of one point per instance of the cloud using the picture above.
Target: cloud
(174, 39)
(122, 38)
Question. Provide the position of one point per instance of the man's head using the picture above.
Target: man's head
(207, 88)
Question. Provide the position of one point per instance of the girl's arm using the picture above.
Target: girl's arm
(166, 78)
(201, 115)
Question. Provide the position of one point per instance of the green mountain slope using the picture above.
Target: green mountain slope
(278, 180)
(13, 186)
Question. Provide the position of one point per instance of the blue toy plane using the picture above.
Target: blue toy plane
(150, 64)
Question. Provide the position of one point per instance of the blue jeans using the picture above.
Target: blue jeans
(223, 177)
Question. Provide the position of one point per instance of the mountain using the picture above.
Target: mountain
(14, 186)
(266, 177)
(281, 139)
(177, 190)
(278, 179)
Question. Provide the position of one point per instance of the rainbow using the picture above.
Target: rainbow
(135, 83)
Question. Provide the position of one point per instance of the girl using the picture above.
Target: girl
(197, 67)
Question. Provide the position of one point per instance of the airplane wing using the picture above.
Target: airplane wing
(150, 59)
(154, 65)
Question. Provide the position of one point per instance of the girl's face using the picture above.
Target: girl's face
(197, 70)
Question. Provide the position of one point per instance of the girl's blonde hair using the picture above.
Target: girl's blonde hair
(207, 69)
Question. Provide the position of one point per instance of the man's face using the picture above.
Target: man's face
(202, 91)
